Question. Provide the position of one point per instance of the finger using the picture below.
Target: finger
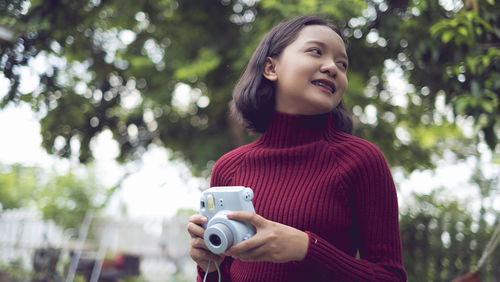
(253, 218)
(256, 254)
(198, 219)
(246, 246)
(198, 243)
(200, 251)
(203, 255)
(195, 230)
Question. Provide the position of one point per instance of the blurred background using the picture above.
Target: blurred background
(113, 112)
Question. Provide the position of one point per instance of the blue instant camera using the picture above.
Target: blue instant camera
(216, 202)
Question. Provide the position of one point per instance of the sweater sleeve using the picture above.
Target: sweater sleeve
(225, 168)
(375, 210)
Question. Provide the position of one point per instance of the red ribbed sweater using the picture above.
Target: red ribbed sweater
(307, 174)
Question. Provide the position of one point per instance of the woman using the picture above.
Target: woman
(325, 201)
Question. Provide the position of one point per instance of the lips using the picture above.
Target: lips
(326, 84)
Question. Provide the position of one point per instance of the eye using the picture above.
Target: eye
(343, 65)
(316, 51)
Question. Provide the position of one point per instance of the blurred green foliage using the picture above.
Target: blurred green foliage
(162, 72)
(67, 198)
(17, 185)
(13, 272)
(444, 237)
(442, 240)
(63, 198)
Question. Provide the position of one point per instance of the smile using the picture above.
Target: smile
(325, 84)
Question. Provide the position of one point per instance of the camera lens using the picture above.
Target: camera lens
(215, 240)
(218, 237)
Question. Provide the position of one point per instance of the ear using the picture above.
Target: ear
(270, 69)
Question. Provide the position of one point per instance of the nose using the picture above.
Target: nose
(329, 67)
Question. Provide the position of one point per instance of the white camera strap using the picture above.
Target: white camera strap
(208, 267)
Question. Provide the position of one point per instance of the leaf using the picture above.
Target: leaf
(447, 36)
(463, 31)
(207, 61)
(475, 88)
(141, 62)
(461, 105)
(438, 28)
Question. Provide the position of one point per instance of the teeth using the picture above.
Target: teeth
(323, 85)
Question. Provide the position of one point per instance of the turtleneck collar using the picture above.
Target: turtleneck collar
(288, 130)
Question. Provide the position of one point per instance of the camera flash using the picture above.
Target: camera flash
(211, 203)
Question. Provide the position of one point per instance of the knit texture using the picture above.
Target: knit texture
(336, 187)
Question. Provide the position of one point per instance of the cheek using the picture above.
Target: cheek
(345, 82)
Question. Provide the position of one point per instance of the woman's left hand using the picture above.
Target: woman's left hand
(273, 242)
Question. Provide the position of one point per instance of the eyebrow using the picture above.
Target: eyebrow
(322, 44)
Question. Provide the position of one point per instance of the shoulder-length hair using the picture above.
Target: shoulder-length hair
(254, 95)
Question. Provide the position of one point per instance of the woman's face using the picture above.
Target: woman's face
(310, 75)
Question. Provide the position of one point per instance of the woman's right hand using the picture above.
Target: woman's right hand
(198, 250)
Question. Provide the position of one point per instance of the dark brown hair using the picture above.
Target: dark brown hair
(254, 97)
